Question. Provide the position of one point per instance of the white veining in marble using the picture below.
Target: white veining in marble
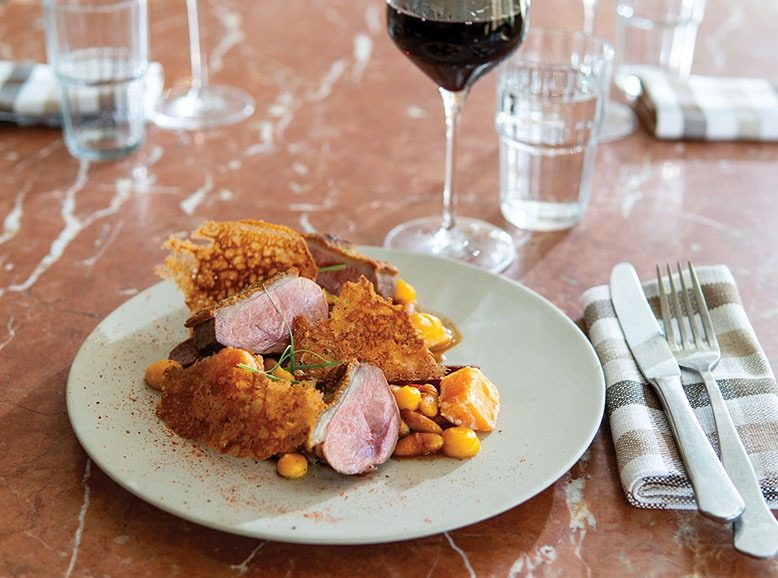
(105, 240)
(225, 195)
(266, 142)
(631, 198)
(438, 551)
(311, 207)
(38, 157)
(189, 204)
(81, 519)
(40, 540)
(297, 188)
(631, 181)
(305, 224)
(581, 518)
(416, 112)
(13, 220)
(462, 555)
(327, 83)
(363, 50)
(230, 35)
(526, 564)
(243, 567)
(300, 169)
(10, 333)
(713, 223)
(153, 156)
(687, 536)
(374, 19)
(73, 225)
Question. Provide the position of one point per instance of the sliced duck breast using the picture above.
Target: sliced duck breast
(185, 353)
(330, 250)
(358, 430)
(259, 318)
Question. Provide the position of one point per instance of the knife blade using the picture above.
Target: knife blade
(715, 494)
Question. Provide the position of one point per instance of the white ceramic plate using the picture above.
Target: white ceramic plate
(548, 375)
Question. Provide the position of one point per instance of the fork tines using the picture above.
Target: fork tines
(670, 301)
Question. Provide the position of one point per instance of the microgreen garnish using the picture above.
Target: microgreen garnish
(267, 374)
(335, 267)
(289, 354)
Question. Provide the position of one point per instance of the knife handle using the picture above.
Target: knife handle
(756, 531)
(716, 496)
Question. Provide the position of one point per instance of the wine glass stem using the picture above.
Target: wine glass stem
(452, 106)
(589, 8)
(198, 58)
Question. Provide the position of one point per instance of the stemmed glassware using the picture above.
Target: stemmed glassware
(455, 42)
(619, 120)
(201, 105)
(590, 6)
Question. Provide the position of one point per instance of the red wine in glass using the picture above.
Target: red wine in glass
(455, 54)
(456, 42)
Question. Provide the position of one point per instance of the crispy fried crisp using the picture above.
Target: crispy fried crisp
(232, 256)
(365, 326)
(236, 411)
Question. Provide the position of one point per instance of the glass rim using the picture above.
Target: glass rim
(91, 5)
(602, 48)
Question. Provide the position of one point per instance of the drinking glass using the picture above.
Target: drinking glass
(456, 42)
(619, 120)
(550, 102)
(98, 50)
(201, 105)
(655, 34)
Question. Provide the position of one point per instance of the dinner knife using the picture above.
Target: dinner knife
(716, 495)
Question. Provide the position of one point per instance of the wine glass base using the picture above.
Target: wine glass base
(473, 241)
(619, 122)
(210, 107)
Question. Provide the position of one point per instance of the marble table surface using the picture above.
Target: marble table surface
(347, 137)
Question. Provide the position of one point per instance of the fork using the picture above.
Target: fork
(696, 348)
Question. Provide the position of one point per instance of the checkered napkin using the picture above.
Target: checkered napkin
(650, 468)
(29, 93)
(708, 108)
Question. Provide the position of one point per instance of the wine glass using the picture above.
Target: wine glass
(590, 6)
(201, 105)
(619, 120)
(456, 42)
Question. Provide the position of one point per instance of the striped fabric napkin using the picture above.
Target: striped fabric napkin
(650, 468)
(30, 94)
(707, 108)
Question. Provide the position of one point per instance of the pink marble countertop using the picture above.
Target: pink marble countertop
(348, 138)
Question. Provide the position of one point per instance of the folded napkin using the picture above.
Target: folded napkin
(707, 108)
(30, 94)
(650, 468)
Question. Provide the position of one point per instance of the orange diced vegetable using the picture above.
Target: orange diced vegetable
(404, 293)
(469, 399)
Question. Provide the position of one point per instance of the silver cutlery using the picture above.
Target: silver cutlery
(715, 494)
(695, 346)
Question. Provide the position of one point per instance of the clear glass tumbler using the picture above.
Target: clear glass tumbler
(655, 34)
(550, 101)
(99, 52)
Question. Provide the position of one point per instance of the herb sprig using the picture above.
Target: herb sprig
(331, 268)
(290, 353)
